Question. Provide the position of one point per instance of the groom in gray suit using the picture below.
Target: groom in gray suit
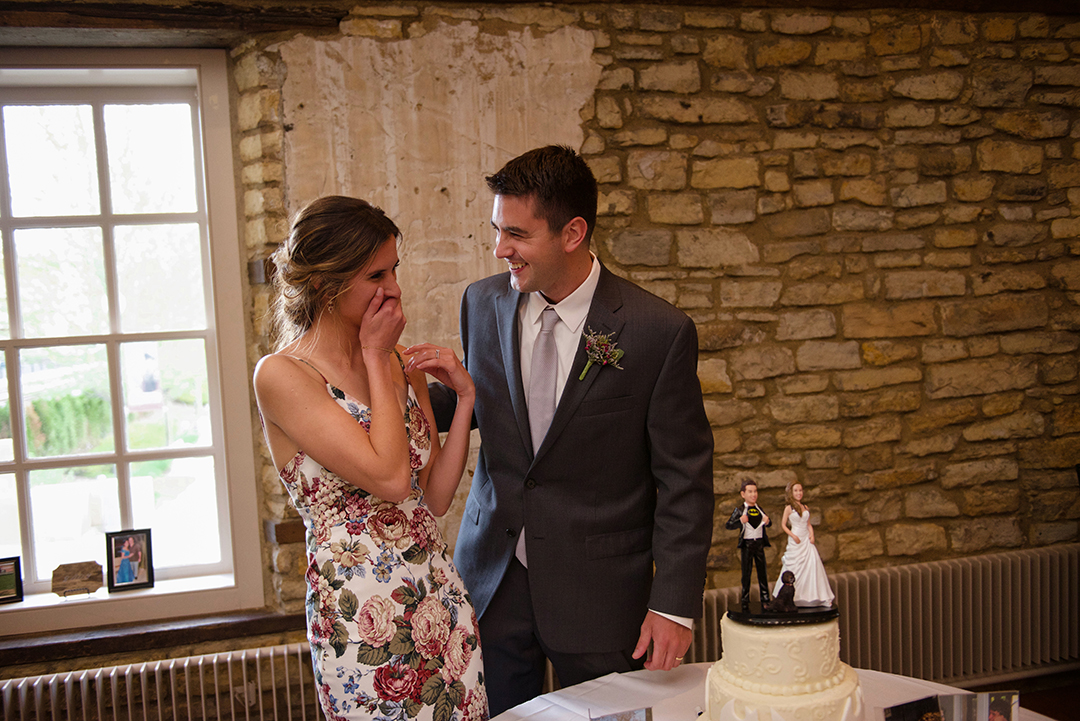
(587, 527)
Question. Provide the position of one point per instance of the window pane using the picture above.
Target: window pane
(66, 406)
(5, 326)
(10, 544)
(7, 449)
(147, 175)
(166, 397)
(73, 508)
(159, 268)
(51, 160)
(61, 281)
(178, 499)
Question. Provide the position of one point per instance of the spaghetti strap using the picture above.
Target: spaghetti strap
(309, 366)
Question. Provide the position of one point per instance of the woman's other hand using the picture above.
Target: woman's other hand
(442, 364)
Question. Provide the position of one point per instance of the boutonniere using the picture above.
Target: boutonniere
(600, 349)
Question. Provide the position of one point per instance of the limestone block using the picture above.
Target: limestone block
(616, 202)
(1065, 419)
(783, 252)
(816, 355)
(974, 473)
(1058, 370)
(943, 350)
(929, 503)
(803, 383)
(940, 443)
(732, 207)
(1032, 125)
(875, 430)
(608, 112)
(713, 375)
(896, 40)
(904, 285)
(860, 545)
(726, 173)
(958, 115)
(854, 218)
(945, 85)
(806, 268)
(1044, 534)
(1023, 424)
(981, 376)
(1065, 228)
(808, 436)
(387, 29)
(708, 19)
(727, 51)
(1040, 342)
(803, 325)
(871, 191)
(800, 223)
(675, 209)
(726, 440)
(979, 535)
(641, 247)
(871, 378)
(939, 415)
(918, 194)
(1056, 453)
(1067, 274)
(606, 168)
(803, 294)
(547, 18)
(1000, 281)
(866, 320)
(729, 412)
(973, 188)
(749, 294)
(761, 361)
(994, 314)
(999, 29)
(885, 352)
(696, 110)
(945, 161)
(1065, 176)
(806, 409)
(656, 169)
(892, 242)
(782, 52)
(681, 77)
(950, 259)
(808, 85)
(911, 539)
(909, 115)
(813, 193)
(953, 30)
(620, 78)
(1001, 404)
(829, 51)
(1001, 84)
(1058, 75)
(714, 248)
(996, 498)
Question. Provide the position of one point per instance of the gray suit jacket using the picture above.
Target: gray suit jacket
(622, 481)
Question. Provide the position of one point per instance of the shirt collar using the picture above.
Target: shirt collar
(572, 309)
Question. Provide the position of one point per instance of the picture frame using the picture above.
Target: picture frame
(11, 588)
(129, 559)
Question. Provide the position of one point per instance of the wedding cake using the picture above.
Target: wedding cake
(783, 671)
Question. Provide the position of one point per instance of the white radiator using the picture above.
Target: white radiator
(978, 619)
(263, 683)
(981, 619)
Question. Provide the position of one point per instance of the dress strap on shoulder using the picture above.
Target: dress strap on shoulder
(308, 364)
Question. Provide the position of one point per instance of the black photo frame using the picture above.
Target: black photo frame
(129, 559)
(11, 590)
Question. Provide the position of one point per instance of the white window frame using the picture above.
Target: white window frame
(240, 586)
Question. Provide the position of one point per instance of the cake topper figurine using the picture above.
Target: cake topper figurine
(784, 598)
(753, 539)
(801, 555)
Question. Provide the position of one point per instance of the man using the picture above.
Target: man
(753, 540)
(560, 533)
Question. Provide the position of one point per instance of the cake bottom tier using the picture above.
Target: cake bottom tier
(727, 702)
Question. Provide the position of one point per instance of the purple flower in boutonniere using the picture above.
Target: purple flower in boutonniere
(600, 349)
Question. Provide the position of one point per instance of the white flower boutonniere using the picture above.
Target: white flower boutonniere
(600, 349)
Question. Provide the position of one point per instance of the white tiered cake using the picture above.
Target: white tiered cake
(786, 672)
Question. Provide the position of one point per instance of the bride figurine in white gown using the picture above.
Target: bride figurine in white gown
(801, 556)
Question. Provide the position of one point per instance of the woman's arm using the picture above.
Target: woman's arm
(442, 475)
(784, 523)
(810, 536)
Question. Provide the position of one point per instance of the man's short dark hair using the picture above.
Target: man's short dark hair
(747, 482)
(558, 180)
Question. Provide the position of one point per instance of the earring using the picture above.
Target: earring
(330, 307)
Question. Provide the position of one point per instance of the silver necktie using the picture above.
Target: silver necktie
(545, 363)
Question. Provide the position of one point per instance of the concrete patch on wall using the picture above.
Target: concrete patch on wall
(414, 125)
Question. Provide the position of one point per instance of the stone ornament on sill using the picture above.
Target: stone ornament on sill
(74, 578)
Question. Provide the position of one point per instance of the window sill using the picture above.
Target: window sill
(136, 637)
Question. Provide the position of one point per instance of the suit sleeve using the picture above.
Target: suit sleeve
(681, 449)
(736, 519)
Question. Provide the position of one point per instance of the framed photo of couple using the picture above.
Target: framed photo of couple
(130, 560)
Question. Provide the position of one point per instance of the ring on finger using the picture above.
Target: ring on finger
(436, 354)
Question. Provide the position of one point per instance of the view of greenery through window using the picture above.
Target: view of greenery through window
(104, 332)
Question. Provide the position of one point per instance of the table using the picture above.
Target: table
(679, 695)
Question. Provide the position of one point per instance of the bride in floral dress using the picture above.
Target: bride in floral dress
(345, 412)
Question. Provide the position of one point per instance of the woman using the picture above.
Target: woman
(392, 630)
(801, 556)
(125, 573)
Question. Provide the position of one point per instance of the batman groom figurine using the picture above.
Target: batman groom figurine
(753, 538)
(585, 536)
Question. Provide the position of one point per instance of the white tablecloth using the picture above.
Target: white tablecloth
(679, 695)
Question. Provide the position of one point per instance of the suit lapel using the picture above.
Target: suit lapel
(506, 308)
(602, 318)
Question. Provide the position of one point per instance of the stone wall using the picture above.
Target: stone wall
(873, 217)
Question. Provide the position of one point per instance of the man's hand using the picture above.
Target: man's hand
(669, 639)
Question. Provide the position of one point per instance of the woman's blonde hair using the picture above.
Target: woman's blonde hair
(330, 241)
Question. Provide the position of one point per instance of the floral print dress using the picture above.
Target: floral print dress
(393, 632)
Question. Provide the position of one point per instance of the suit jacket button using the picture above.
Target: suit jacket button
(510, 533)
(530, 483)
